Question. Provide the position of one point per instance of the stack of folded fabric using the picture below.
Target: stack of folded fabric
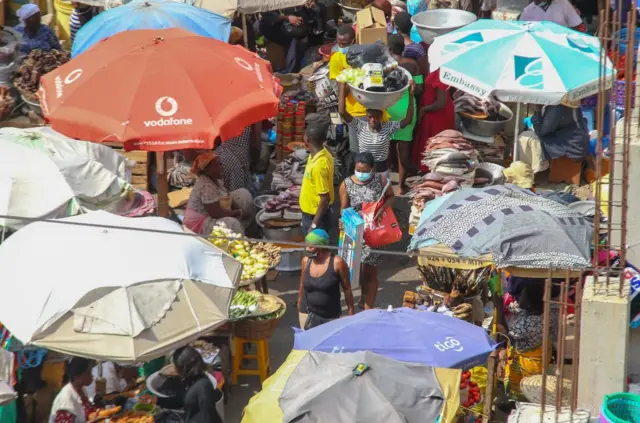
(449, 154)
(290, 171)
(285, 206)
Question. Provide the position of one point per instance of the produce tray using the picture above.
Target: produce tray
(259, 312)
(252, 281)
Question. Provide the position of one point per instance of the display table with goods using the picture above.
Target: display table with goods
(256, 257)
(254, 315)
(37, 63)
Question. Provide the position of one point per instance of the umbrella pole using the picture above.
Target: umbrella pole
(163, 185)
(245, 35)
(515, 135)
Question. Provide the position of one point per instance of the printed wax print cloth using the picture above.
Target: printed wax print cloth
(517, 227)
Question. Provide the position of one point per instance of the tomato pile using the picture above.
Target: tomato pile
(474, 396)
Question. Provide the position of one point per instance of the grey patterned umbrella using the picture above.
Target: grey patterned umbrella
(517, 227)
(360, 387)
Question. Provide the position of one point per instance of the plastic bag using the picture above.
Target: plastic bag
(381, 232)
(361, 54)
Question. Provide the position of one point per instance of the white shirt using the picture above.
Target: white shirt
(560, 12)
(113, 381)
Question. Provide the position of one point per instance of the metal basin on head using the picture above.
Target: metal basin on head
(433, 23)
(379, 101)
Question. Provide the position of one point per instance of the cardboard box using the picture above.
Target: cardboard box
(371, 26)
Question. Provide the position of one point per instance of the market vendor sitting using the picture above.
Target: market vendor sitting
(117, 378)
(34, 34)
(210, 201)
(72, 403)
(525, 330)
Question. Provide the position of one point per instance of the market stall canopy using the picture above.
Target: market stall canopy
(403, 334)
(159, 90)
(128, 292)
(518, 228)
(517, 61)
(265, 407)
(48, 175)
(156, 14)
(229, 7)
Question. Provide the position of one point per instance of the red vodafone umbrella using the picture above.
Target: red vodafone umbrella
(159, 90)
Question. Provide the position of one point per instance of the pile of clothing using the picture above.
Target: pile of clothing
(285, 206)
(452, 161)
(450, 154)
(290, 171)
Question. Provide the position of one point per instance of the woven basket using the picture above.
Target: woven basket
(258, 329)
(531, 388)
(620, 408)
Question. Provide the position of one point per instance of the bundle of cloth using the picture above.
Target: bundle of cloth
(449, 154)
(492, 153)
(290, 171)
(483, 108)
(285, 206)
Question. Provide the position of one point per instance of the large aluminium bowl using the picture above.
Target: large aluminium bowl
(433, 23)
(349, 12)
(487, 128)
(379, 101)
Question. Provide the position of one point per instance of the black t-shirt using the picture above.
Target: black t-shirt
(200, 402)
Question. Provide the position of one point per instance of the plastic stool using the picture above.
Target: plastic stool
(261, 356)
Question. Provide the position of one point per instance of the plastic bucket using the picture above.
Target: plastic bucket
(63, 14)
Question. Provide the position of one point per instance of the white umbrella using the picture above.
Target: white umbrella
(113, 294)
(45, 174)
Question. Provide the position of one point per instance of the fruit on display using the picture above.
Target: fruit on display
(256, 259)
(272, 252)
(109, 412)
(463, 312)
(469, 390)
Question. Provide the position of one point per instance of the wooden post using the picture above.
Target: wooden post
(489, 392)
(245, 34)
(163, 185)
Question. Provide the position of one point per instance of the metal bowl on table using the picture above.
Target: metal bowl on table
(433, 23)
(290, 233)
(349, 12)
(487, 128)
(261, 201)
(379, 101)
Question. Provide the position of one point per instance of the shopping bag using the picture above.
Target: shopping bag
(381, 232)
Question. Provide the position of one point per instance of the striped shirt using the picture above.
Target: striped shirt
(414, 51)
(376, 143)
(79, 17)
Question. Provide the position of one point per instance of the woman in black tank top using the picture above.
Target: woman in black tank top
(322, 275)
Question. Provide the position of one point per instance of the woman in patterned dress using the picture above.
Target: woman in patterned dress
(209, 200)
(525, 330)
(72, 404)
(366, 186)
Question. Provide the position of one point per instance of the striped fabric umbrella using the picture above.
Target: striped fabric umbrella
(524, 62)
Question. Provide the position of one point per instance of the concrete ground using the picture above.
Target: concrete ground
(397, 274)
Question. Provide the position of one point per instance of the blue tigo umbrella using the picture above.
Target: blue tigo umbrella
(525, 62)
(156, 14)
(405, 335)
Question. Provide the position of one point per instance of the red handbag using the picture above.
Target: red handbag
(386, 229)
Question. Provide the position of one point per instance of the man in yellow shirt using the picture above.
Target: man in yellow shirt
(316, 193)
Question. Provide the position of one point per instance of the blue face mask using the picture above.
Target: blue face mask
(343, 50)
(363, 176)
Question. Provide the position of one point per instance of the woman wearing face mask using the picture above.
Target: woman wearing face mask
(322, 275)
(365, 186)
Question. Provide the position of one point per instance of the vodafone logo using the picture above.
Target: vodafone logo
(69, 79)
(73, 76)
(167, 107)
